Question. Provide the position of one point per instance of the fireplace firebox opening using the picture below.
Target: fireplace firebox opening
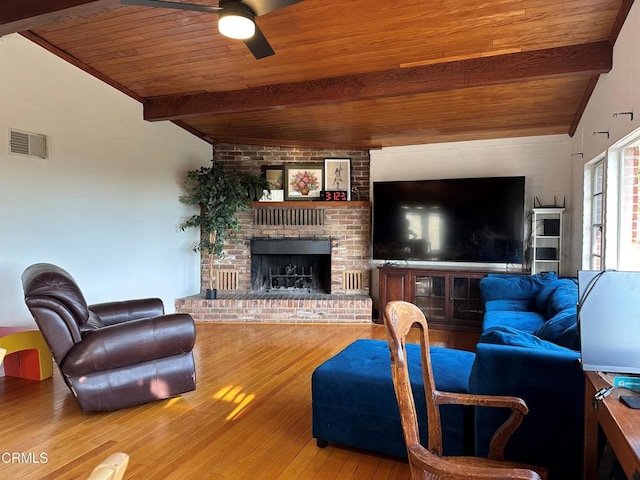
(300, 265)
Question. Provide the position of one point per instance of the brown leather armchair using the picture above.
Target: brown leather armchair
(111, 355)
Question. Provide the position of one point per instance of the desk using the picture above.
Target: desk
(620, 424)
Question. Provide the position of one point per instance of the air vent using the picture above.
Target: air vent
(298, 217)
(227, 279)
(26, 143)
(353, 280)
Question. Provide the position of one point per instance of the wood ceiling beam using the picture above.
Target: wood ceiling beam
(590, 59)
(21, 15)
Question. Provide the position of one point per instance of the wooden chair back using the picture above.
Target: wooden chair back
(399, 319)
(428, 463)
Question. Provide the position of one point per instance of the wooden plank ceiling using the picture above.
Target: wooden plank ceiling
(350, 74)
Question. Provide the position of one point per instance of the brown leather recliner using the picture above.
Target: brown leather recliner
(111, 355)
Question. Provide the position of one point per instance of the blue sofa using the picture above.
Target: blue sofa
(529, 348)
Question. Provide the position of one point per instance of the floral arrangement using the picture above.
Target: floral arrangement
(304, 181)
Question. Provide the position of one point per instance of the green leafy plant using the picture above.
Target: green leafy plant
(220, 194)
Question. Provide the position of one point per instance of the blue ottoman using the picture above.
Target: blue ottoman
(354, 404)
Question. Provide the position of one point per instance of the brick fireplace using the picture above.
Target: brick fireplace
(327, 243)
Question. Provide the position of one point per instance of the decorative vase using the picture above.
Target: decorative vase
(304, 190)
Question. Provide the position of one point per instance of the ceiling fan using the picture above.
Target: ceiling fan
(236, 18)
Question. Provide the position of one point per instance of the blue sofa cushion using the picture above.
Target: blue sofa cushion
(565, 297)
(553, 328)
(516, 338)
(557, 296)
(514, 287)
(509, 305)
(542, 298)
(525, 321)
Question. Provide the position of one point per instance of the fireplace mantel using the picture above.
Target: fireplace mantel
(310, 204)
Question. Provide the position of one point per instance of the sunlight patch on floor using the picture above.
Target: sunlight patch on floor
(234, 395)
(172, 401)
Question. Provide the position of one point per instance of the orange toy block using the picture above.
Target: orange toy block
(27, 354)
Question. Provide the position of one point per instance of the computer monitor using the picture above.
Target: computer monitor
(609, 320)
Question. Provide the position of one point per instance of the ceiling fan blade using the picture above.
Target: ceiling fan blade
(258, 45)
(260, 7)
(175, 5)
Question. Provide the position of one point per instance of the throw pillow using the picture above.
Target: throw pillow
(517, 338)
(553, 328)
(563, 298)
(545, 296)
(514, 287)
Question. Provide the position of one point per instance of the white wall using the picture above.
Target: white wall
(104, 205)
(617, 91)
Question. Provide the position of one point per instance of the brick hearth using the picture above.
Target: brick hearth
(346, 225)
(291, 308)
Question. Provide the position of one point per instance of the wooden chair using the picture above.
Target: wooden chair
(428, 463)
(112, 468)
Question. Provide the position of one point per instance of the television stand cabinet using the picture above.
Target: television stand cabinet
(449, 298)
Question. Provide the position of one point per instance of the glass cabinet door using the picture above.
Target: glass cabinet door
(466, 299)
(430, 296)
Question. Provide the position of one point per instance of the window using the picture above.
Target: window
(612, 208)
(597, 215)
(629, 252)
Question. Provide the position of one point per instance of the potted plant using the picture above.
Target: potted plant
(220, 194)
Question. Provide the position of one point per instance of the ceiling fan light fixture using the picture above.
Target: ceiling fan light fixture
(238, 24)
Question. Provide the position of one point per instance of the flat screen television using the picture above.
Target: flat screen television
(479, 220)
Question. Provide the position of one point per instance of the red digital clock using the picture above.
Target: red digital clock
(333, 196)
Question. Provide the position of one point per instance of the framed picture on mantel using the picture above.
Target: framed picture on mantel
(302, 182)
(337, 175)
(273, 175)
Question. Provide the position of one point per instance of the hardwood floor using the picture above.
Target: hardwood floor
(249, 418)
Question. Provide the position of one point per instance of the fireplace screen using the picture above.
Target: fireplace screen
(291, 265)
